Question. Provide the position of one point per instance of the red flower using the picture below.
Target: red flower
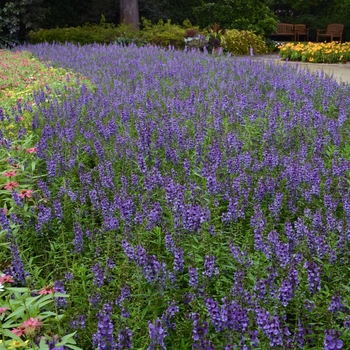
(3, 309)
(10, 185)
(9, 173)
(47, 290)
(31, 150)
(20, 330)
(6, 279)
(26, 193)
(33, 323)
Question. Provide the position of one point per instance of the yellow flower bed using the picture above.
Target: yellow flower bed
(332, 52)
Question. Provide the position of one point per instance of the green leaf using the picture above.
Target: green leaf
(43, 345)
(11, 335)
(61, 295)
(42, 304)
(31, 300)
(46, 314)
(10, 324)
(67, 339)
(72, 347)
(17, 289)
(17, 312)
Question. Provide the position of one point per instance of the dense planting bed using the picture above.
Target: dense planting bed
(190, 201)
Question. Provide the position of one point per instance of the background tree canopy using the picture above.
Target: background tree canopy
(17, 17)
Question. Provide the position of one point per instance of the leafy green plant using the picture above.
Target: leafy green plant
(214, 36)
(163, 33)
(17, 17)
(86, 34)
(29, 319)
(239, 42)
(195, 39)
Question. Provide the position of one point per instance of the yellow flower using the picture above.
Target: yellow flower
(15, 344)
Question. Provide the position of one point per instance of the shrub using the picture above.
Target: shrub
(239, 42)
(127, 34)
(87, 34)
(163, 33)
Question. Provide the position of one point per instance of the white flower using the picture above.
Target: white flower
(1, 288)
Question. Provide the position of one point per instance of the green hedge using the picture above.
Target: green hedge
(87, 34)
(163, 34)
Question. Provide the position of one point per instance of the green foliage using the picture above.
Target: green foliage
(30, 316)
(103, 33)
(66, 13)
(239, 42)
(163, 33)
(245, 15)
(18, 16)
(127, 34)
(83, 35)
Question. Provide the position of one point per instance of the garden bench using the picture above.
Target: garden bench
(285, 30)
(301, 32)
(333, 31)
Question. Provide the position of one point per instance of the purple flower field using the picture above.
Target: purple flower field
(191, 202)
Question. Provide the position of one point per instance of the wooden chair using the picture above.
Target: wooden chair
(285, 30)
(301, 32)
(333, 31)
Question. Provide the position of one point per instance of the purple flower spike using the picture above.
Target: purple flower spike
(313, 277)
(210, 269)
(156, 334)
(124, 339)
(103, 339)
(332, 341)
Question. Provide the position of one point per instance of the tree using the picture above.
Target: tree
(252, 15)
(129, 12)
(20, 16)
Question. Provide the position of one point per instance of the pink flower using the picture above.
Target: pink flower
(26, 193)
(28, 327)
(31, 150)
(4, 210)
(6, 279)
(10, 185)
(3, 309)
(9, 174)
(47, 290)
(33, 323)
(20, 330)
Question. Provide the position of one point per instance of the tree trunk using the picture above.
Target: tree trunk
(129, 12)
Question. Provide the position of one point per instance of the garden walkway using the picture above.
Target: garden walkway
(339, 71)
